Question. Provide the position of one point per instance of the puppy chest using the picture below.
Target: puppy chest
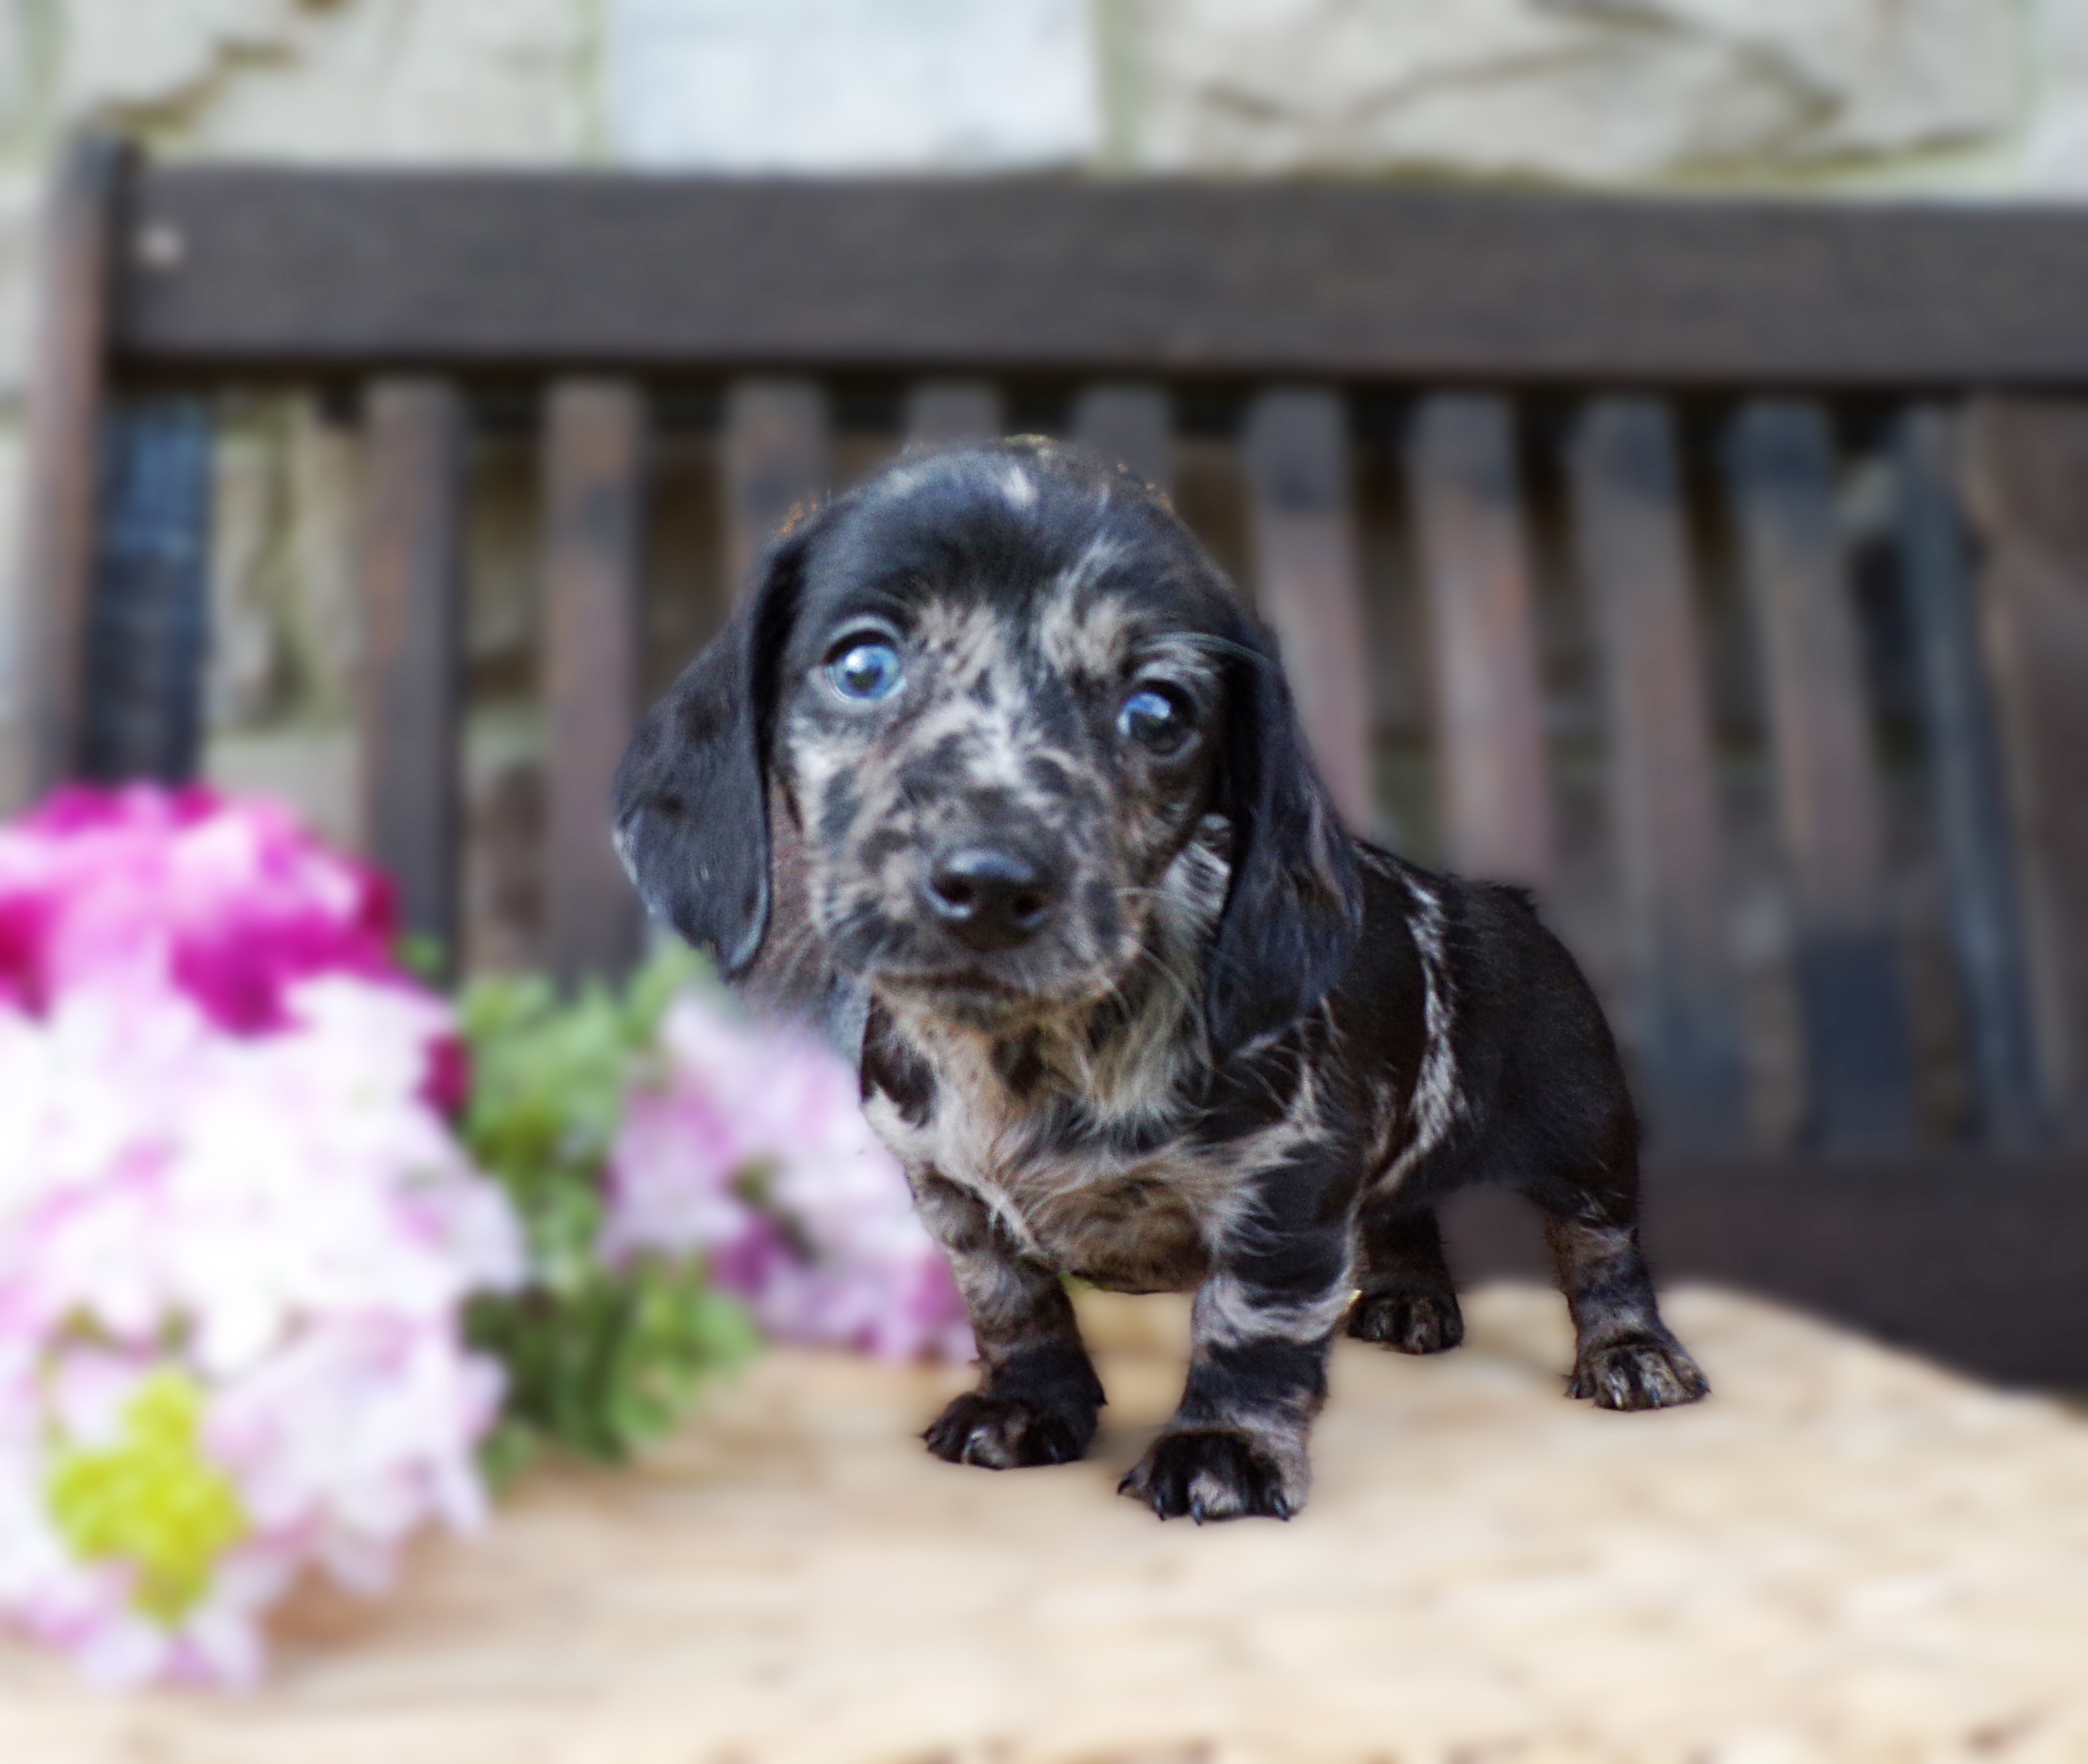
(1142, 1227)
(1065, 1187)
(1136, 1232)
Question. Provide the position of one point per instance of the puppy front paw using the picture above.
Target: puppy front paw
(1008, 1432)
(1410, 1322)
(1213, 1473)
(1639, 1372)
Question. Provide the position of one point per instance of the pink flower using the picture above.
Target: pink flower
(748, 1144)
(230, 1195)
(284, 1222)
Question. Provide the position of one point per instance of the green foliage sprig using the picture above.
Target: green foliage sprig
(600, 1360)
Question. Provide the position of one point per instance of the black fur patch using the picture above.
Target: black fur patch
(891, 1068)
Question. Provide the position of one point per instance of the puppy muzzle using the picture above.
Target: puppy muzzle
(990, 898)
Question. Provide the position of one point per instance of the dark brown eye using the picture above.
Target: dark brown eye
(1158, 718)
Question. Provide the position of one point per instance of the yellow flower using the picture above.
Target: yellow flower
(152, 1499)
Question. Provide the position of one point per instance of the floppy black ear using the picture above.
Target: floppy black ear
(691, 795)
(1294, 908)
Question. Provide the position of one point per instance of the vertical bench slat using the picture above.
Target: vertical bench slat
(940, 411)
(594, 516)
(777, 459)
(412, 550)
(1781, 465)
(1465, 488)
(65, 412)
(149, 610)
(1632, 545)
(1309, 581)
(1966, 780)
(1129, 423)
(2025, 461)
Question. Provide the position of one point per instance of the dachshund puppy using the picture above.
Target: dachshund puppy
(997, 747)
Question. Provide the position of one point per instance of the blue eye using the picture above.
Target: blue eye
(1158, 718)
(865, 668)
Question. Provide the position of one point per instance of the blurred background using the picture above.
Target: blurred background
(1958, 101)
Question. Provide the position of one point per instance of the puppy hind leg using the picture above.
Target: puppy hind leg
(1625, 1357)
(1408, 1301)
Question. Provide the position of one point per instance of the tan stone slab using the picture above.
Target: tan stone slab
(1595, 90)
(1846, 1555)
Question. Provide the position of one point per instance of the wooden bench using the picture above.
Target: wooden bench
(1622, 548)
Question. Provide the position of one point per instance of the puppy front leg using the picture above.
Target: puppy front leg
(1038, 1394)
(1261, 1330)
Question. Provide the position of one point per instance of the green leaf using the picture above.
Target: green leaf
(424, 956)
(600, 1361)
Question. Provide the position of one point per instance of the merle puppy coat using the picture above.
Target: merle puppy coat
(993, 748)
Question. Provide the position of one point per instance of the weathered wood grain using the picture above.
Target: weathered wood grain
(295, 269)
(411, 564)
(78, 244)
(940, 411)
(1633, 549)
(2026, 463)
(1465, 485)
(149, 610)
(778, 462)
(1130, 423)
(1984, 897)
(1308, 580)
(594, 502)
(1973, 1262)
(1781, 470)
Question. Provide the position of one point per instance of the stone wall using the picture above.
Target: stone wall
(1607, 90)
(874, 84)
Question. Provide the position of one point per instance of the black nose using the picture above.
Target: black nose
(989, 899)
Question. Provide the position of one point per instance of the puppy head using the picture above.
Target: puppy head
(1000, 690)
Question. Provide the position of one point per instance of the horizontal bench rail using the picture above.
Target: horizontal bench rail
(255, 269)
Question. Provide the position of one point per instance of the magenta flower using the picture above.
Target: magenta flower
(231, 904)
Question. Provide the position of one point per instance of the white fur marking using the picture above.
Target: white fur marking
(1227, 1314)
(1436, 1102)
(1100, 555)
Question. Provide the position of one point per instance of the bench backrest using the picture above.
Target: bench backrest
(1597, 532)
